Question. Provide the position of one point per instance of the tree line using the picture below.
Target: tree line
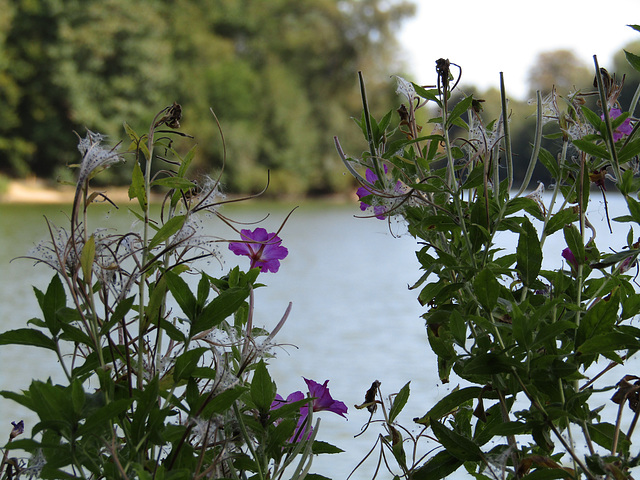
(279, 75)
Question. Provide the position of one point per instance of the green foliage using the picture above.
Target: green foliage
(162, 379)
(518, 337)
(276, 73)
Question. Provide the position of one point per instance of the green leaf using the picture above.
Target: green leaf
(86, 258)
(221, 402)
(550, 163)
(187, 362)
(574, 242)
(263, 389)
(319, 447)
(457, 445)
(461, 107)
(598, 320)
(54, 300)
(528, 253)
(634, 60)
(450, 403)
(548, 474)
(604, 433)
(593, 118)
(172, 226)
(27, 336)
(441, 465)
(399, 402)
(560, 219)
(551, 332)
(634, 208)
(592, 149)
(204, 287)
(609, 342)
(77, 396)
(487, 289)
(431, 94)
(488, 364)
(510, 428)
(182, 293)
(628, 151)
(222, 306)
(177, 183)
(136, 189)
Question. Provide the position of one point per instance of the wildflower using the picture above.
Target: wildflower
(362, 192)
(262, 248)
(567, 254)
(624, 129)
(322, 398)
(379, 210)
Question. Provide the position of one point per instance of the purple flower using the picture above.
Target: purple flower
(364, 192)
(262, 248)
(322, 398)
(624, 129)
(379, 211)
(567, 254)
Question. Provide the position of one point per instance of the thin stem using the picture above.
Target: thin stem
(536, 147)
(607, 120)
(507, 134)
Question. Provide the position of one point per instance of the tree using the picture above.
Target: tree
(559, 68)
(621, 67)
(280, 76)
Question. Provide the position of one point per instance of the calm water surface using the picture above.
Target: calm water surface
(353, 319)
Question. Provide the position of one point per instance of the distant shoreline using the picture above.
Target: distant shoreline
(36, 191)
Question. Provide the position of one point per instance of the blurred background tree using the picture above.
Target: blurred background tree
(279, 74)
(559, 68)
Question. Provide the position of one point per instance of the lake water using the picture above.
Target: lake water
(353, 319)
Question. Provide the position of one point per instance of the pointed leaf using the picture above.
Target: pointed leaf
(399, 402)
(27, 336)
(263, 390)
(187, 362)
(182, 293)
(177, 183)
(86, 258)
(172, 226)
(634, 60)
(457, 445)
(219, 308)
(487, 289)
(528, 253)
(136, 189)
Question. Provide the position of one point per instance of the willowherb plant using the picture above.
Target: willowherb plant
(526, 343)
(161, 379)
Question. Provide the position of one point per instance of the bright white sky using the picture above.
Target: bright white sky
(486, 37)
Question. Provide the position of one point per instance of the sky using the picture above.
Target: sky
(492, 36)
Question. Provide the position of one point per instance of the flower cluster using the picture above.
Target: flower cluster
(380, 210)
